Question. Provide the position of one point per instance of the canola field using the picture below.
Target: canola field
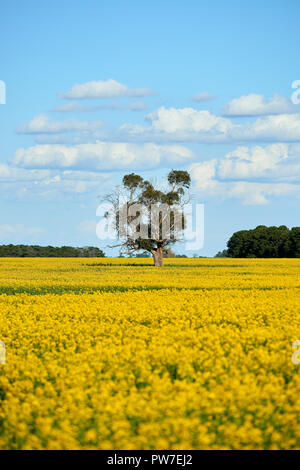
(117, 354)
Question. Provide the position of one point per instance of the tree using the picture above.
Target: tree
(222, 254)
(293, 245)
(265, 242)
(147, 218)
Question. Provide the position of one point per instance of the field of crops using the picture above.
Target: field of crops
(118, 354)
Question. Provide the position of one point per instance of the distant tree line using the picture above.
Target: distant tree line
(35, 251)
(264, 242)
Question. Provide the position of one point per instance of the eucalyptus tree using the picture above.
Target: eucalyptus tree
(146, 217)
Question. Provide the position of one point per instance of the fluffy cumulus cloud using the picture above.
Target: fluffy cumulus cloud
(104, 89)
(181, 124)
(189, 124)
(102, 156)
(187, 120)
(252, 175)
(256, 162)
(203, 96)
(284, 127)
(257, 105)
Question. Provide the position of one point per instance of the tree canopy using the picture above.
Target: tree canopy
(265, 242)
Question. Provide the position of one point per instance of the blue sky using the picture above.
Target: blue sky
(97, 89)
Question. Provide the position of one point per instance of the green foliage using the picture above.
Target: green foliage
(35, 251)
(265, 242)
(179, 179)
(222, 254)
(132, 181)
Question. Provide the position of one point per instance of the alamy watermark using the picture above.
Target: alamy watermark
(2, 92)
(295, 358)
(2, 352)
(295, 98)
(156, 222)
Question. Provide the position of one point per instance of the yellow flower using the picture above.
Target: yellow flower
(101, 354)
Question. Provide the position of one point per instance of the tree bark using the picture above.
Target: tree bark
(158, 257)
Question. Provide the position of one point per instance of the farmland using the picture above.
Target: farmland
(118, 354)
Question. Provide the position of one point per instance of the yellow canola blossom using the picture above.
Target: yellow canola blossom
(102, 354)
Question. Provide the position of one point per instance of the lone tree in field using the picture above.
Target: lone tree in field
(147, 218)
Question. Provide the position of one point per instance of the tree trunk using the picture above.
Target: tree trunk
(158, 257)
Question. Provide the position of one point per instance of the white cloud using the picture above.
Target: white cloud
(251, 193)
(181, 124)
(191, 125)
(4, 171)
(284, 127)
(75, 107)
(41, 124)
(167, 125)
(104, 89)
(255, 162)
(9, 173)
(203, 96)
(187, 120)
(56, 184)
(101, 156)
(257, 105)
(252, 175)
